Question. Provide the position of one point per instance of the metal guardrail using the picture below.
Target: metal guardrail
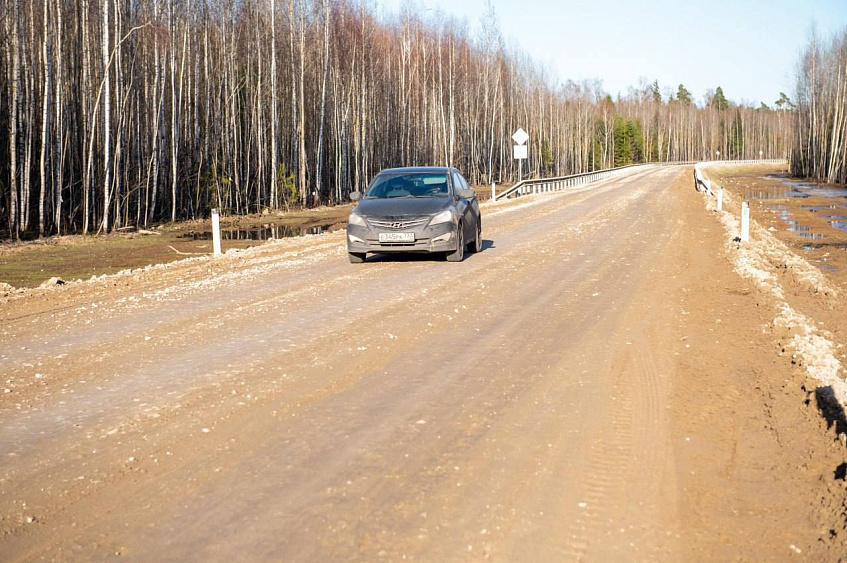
(559, 183)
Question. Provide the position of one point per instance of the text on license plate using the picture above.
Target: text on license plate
(396, 237)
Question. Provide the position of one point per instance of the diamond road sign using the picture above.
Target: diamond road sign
(520, 136)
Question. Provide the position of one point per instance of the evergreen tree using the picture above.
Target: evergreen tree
(683, 95)
(636, 140)
(736, 136)
(657, 95)
(622, 144)
(784, 102)
(546, 157)
(720, 100)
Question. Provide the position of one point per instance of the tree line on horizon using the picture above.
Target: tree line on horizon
(820, 144)
(120, 113)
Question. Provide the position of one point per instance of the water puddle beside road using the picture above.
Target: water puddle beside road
(817, 190)
(774, 193)
(261, 232)
(816, 208)
(791, 215)
(803, 231)
(796, 189)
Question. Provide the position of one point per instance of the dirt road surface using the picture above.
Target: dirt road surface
(596, 385)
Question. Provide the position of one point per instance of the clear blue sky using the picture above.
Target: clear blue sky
(749, 48)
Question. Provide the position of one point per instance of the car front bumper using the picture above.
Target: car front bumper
(437, 238)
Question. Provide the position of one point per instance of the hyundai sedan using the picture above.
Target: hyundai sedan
(431, 210)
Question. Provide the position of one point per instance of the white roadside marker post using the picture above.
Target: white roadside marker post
(745, 221)
(493, 192)
(216, 232)
(720, 198)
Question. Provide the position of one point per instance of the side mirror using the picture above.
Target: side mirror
(465, 194)
(355, 196)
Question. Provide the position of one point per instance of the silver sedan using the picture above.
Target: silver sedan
(427, 210)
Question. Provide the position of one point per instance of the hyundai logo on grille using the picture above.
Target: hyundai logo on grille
(397, 225)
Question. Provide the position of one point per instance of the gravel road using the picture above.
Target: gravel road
(596, 385)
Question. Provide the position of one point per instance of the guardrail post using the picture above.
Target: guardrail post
(216, 232)
(745, 221)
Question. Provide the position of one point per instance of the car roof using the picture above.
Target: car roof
(416, 169)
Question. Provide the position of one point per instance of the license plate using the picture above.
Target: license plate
(396, 237)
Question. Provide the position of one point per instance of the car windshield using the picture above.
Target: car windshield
(417, 184)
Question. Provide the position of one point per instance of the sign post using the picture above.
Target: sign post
(520, 150)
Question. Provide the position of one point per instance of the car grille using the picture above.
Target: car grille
(399, 224)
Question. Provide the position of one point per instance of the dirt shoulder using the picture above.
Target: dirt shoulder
(761, 471)
(29, 264)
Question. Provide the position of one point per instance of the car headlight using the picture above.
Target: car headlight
(444, 217)
(356, 219)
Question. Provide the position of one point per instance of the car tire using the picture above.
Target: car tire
(356, 257)
(459, 254)
(476, 245)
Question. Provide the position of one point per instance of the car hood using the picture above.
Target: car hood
(402, 207)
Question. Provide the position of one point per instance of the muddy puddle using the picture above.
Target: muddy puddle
(261, 232)
(837, 221)
(811, 217)
(822, 215)
(781, 187)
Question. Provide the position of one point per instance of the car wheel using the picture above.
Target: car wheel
(459, 254)
(356, 257)
(476, 245)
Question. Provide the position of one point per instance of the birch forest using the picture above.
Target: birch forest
(820, 147)
(120, 113)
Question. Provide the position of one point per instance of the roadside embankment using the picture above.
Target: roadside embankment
(808, 301)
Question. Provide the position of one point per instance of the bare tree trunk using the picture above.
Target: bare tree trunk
(319, 172)
(301, 129)
(174, 114)
(46, 114)
(26, 188)
(60, 126)
(107, 118)
(14, 32)
(274, 203)
(87, 184)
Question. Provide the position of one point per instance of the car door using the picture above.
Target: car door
(465, 207)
